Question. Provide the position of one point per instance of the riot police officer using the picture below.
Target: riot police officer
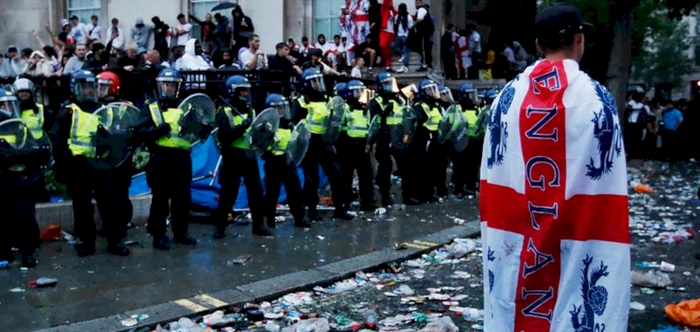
(17, 203)
(280, 169)
(388, 105)
(77, 128)
(239, 159)
(432, 160)
(352, 146)
(311, 105)
(34, 116)
(472, 154)
(457, 157)
(169, 171)
(108, 85)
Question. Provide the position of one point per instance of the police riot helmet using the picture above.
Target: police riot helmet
(83, 85)
(237, 87)
(339, 89)
(280, 103)
(23, 84)
(427, 88)
(9, 105)
(313, 79)
(169, 82)
(356, 89)
(107, 84)
(386, 83)
(468, 90)
(446, 94)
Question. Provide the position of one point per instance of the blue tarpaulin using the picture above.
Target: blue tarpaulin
(204, 159)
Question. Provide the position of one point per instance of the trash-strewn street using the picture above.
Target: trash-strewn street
(442, 290)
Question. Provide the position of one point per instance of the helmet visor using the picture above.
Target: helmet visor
(389, 85)
(431, 90)
(282, 108)
(446, 96)
(9, 107)
(168, 89)
(103, 88)
(316, 83)
(86, 92)
(358, 92)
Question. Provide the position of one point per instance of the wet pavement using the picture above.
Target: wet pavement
(105, 285)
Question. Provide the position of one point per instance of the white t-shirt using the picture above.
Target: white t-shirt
(421, 14)
(96, 33)
(182, 39)
(247, 57)
(78, 34)
(403, 32)
(356, 72)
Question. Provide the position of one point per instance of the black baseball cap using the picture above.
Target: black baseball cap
(559, 20)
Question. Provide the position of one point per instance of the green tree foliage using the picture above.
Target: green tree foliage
(660, 46)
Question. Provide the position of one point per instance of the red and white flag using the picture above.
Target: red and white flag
(553, 206)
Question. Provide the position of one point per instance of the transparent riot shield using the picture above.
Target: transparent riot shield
(402, 135)
(112, 129)
(452, 129)
(299, 144)
(262, 130)
(336, 107)
(24, 156)
(374, 128)
(198, 119)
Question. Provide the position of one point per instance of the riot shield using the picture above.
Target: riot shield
(299, 144)
(453, 129)
(374, 127)
(262, 130)
(336, 107)
(24, 157)
(198, 119)
(112, 128)
(402, 135)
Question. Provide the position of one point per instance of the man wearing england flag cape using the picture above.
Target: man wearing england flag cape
(558, 257)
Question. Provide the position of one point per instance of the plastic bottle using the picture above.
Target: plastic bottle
(43, 282)
(370, 319)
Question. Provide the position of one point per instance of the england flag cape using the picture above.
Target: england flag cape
(553, 206)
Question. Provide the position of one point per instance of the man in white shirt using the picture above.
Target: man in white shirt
(357, 70)
(404, 24)
(94, 30)
(348, 49)
(254, 58)
(78, 31)
(183, 30)
(118, 41)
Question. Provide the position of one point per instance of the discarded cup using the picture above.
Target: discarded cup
(667, 267)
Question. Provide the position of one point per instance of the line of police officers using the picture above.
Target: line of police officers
(422, 163)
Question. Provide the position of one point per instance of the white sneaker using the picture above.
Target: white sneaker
(403, 69)
(401, 59)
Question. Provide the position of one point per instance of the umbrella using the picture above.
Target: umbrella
(224, 6)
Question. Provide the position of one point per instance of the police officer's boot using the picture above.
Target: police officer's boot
(161, 242)
(185, 239)
(260, 229)
(29, 259)
(85, 249)
(219, 232)
(118, 248)
(341, 212)
(313, 214)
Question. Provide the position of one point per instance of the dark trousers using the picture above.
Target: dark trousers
(106, 187)
(633, 140)
(385, 169)
(321, 153)
(169, 176)
(427, 53)
(669, 139)
(237, 164)
(353, 156)
(458, 168)
(19, 220)
(278, 172)
(472, 162)
(431, 163)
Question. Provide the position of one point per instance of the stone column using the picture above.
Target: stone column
(437, 10)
